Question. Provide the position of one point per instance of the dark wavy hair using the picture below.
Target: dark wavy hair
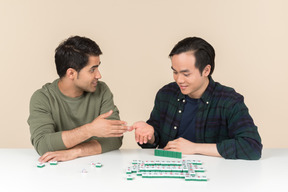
(74, 53)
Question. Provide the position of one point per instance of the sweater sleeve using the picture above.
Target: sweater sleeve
(244, 140)
(111, 143)
(44, 138)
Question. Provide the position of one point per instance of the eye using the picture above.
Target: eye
(186, 75)
(92, 70)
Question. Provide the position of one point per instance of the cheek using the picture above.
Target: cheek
(91, 77)
(174, 76)
(188, 79)
(193, 79)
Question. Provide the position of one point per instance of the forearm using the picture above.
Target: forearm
(92, 147)
(110, 143)
(75, 136)
(58, 141)
(244, 140)
(206, 149)
(84, 149)
(240, 148)
(187, 147)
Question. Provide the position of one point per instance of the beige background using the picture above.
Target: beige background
(249, 36)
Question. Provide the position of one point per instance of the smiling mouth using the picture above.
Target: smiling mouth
(94, 83)
(182, 87)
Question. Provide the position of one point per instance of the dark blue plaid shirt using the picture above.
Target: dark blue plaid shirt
(222, 118)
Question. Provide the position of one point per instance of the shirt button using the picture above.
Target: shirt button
(178, 99)
(180, 111)
(183, 100)
(175, 127)
(207, 102)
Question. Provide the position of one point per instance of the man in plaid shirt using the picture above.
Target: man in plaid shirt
(195, 115)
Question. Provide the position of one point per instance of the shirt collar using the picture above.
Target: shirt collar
(180, 96)
(206, 97)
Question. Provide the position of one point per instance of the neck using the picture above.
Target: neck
(68, 89)
(198, 93)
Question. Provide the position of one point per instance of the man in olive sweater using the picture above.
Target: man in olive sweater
(75, 115)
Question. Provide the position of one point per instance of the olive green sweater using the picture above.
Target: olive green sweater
(51, 112)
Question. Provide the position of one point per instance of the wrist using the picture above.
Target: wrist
(196, 148)
(92, 147)
(86, 130)
(152, 140)
(76, 151)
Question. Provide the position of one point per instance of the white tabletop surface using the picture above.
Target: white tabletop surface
(18, 172)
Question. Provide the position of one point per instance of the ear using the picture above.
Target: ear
(206, 70)
(71, 73)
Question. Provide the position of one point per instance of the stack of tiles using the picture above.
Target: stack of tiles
(190, 170)
(163, 153)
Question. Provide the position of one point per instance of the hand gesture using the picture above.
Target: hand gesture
(143, 132)
(102, 127)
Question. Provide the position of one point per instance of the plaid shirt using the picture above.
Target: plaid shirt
(222, 118)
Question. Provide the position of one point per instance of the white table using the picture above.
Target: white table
(18, 172)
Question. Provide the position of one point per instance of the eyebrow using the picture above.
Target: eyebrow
(95, 66)
(182, 71)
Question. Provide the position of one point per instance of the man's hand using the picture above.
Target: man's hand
(64, 155)
(101, 127)
(92, 147)
(182, 145)
(143, 132)
(187, 147)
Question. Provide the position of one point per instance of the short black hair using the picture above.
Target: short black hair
(203, 52)
(74, 53)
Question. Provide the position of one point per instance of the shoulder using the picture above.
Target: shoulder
(102, 85)
(102, 92)
(41, 97)
(101, 89)
(43, 92)
(47, 92)
(171, 88)
(226, 91)
(226, 94)
(168, 92)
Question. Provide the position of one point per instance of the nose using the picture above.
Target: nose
(98, 75)
(178, 78)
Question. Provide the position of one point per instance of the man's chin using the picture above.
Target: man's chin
(184, 92)
(91, 90)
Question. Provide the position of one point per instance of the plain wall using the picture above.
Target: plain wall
(249, 37)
